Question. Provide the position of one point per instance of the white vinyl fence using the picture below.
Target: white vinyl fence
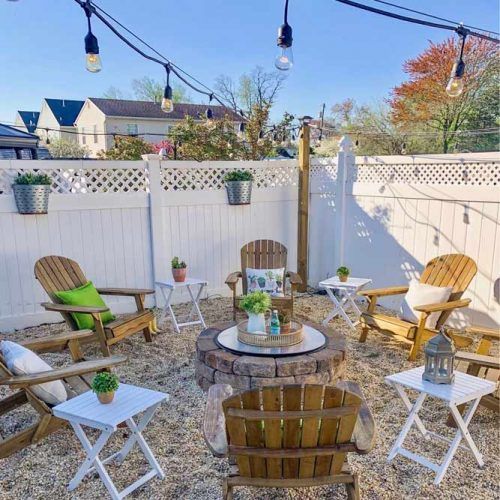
(383, 217)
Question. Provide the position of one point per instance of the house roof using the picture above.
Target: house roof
(147, 109)
(30, 119)
(65, 110)
(13, 137)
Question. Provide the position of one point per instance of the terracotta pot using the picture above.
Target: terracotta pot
(105, 397)
(343, 277)
(285, 328)
(179, 274)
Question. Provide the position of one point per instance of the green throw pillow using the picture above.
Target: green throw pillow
(85, 295)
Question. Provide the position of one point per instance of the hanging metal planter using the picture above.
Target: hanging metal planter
(239, 187)
(31, 192)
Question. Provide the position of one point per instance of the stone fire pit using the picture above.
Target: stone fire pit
(215, 365)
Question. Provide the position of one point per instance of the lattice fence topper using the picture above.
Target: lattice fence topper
(212, 177)
(453, 173)
(324, 169)
(84, 180)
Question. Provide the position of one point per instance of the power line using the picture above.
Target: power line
(432, 16)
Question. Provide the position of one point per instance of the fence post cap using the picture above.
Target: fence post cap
(345, 144)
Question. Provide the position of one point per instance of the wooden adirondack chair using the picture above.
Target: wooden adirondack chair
(298, 436)
(264, 254)
(60, 273)
(482, 364)
(73, 377)
(453, 270)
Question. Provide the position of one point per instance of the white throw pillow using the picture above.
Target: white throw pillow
(22, 361)
(421, 294)
(266, 280)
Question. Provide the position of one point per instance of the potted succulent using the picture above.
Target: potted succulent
(343, 273)
(238, 187)
(179, 270)
(256, 304)
(31, 192)
(105, 384)
(285, 322)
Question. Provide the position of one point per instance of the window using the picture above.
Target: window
(95, 134)
(84, 137)
(132, 129)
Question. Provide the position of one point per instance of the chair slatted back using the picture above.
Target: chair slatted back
(451, 270)
(262, 254)
(292, 431)
(57, 273)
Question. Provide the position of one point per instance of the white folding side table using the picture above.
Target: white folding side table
(348, 290)
(167, 289)
(86, 410)
(464, 389)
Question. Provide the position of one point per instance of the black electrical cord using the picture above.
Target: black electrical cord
(433, 17)
(417, 21)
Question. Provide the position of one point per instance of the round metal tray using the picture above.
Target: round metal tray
(314, 340)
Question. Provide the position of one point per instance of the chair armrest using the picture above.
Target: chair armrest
(382, 292)
(127, 292)
(82, 368)
(479, 359)
(233, 278)
(364, 434)
(294, 278)
(62, 339)
(51, 306)
(214, 423)
(485, 332)
(442, 306)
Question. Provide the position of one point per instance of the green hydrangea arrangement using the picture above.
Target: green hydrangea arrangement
(105, 382)
(238, 175)
(256, 303)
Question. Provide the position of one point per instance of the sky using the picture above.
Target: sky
(340, 52)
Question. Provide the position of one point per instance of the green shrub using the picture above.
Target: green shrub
(256, 302)
(343, 271)
(238, 175)
(176, 264)
(105, 382)
(30, 179)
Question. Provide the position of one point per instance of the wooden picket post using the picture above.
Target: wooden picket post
(303, 205)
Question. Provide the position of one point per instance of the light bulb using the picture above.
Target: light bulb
(93, 63)
(455, 86)
(284, 59)
(167, 105)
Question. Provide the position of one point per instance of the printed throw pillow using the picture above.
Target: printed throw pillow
(271, 281)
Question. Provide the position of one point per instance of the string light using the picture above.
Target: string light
(284, 59)
(93, 59)
(456, 84)
(167, 103)
(209, 114)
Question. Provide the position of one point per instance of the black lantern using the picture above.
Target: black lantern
(439, 357)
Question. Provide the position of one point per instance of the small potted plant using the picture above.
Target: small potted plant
(285, 322)
(105, 384)
(256, 304)
(31, 192)
(179, 270)
(343, 273)
(238, 187)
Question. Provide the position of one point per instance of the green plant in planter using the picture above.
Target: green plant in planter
(105, 382)
(284, 318)
(343, 271)
(256, 303)
(238, 175)
(30, 179)
(178, 264)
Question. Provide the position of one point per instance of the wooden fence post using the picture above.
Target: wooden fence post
(156, 222)
(303, 205)
(345, 158)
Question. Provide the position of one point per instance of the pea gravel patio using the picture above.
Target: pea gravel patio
(167, 364)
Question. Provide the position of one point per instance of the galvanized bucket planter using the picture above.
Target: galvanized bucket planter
(239, 192)
(31, 199)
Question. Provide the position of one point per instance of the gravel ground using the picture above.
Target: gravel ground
(43, 471)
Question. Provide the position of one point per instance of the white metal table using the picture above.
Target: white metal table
(191, 284)
(86, 410)
(464, 389)
(348, 290)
